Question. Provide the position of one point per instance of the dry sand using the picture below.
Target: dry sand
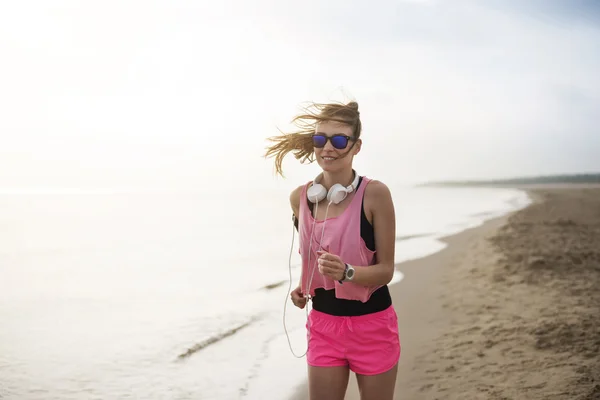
(509, 310)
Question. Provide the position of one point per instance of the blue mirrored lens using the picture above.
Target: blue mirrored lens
(339, 142)
(319, 140)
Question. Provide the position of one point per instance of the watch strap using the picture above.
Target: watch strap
(341, 281)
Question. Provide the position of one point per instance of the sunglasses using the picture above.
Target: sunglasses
(338, 141)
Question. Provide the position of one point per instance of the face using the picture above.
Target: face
(330, 157)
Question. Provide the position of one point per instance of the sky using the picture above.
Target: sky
(184, 93)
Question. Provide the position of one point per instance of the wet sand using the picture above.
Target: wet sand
(509, 310)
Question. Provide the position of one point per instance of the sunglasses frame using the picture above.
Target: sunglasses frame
(330, 139)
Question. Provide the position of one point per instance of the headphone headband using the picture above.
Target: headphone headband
(336, 193)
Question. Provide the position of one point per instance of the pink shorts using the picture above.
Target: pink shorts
(367, 344)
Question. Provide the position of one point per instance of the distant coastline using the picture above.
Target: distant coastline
(566, 179)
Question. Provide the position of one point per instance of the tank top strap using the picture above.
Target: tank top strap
(358, 196)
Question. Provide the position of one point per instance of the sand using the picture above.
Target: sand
(509, 310)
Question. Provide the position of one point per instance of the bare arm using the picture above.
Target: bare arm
(378, 201)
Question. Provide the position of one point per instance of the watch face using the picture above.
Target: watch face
(350, 273)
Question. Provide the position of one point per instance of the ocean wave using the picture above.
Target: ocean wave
(217, 338)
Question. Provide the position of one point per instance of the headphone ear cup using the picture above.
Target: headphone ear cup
(337, 193)
(316, 193)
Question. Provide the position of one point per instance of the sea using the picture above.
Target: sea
(176, 294)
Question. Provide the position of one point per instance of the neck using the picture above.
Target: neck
(344, 177)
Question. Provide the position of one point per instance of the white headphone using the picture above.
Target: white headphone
(336, 194)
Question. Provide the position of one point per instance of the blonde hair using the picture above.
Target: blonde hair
(300, 142)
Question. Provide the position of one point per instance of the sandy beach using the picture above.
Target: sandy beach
(509, 310)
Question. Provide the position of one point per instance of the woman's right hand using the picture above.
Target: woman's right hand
(298, 298)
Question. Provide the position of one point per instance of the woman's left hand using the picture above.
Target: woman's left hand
(331, 265)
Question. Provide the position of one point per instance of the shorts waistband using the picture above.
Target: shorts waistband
(357, 318)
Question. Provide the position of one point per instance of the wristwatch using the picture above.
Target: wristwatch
(348, 273)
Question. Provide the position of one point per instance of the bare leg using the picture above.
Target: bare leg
(377, 387)
(327, 383)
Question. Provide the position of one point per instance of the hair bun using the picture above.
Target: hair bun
(353, 105)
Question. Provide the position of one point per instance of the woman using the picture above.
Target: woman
(347, 238)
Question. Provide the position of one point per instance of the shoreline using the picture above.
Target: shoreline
(475, 321)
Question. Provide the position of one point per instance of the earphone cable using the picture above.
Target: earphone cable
(286, 298)
(309, 283)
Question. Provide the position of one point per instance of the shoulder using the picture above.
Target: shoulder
(295, 198)
(295, 195)
(377, 191)
(379, 208)
(378, 200)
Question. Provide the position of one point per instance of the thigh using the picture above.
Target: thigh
(326, 347)
(374, 345)
(377, 387)
(327, 383)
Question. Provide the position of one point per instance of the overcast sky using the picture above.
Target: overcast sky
(118, 93)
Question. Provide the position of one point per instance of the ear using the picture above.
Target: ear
(357, 146)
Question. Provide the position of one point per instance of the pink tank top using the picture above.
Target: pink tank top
(340, 237)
